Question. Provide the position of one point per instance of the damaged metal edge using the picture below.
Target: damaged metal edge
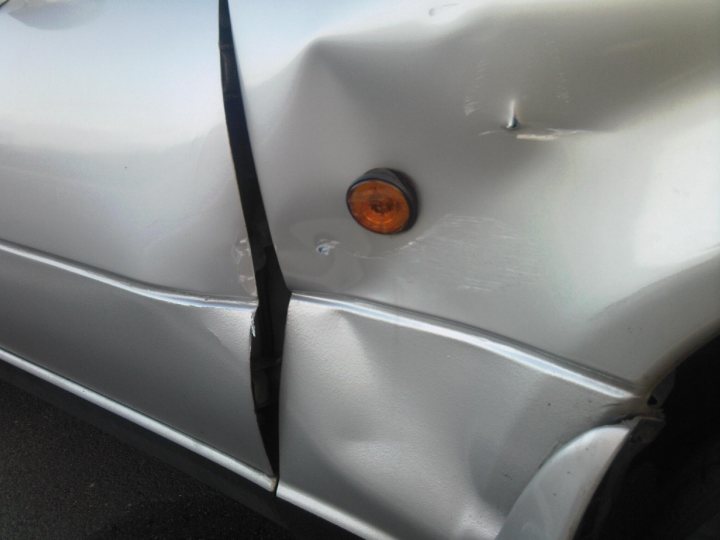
(552, 504)
(268, 324)
(643, 431)
(518, 352)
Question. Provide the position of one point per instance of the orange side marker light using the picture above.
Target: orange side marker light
(382, 201)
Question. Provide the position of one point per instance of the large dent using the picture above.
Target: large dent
(396, 425)
(604, 192)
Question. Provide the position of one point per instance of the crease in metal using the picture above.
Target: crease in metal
(131, 286)
(519, 352)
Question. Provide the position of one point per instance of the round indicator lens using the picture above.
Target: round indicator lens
(382, 205)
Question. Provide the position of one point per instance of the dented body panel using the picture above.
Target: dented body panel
(437, 383)
(565, 160)
(583, 232)
(395, 425)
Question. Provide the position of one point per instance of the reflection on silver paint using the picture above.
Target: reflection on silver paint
(393, 424)
(154, 426)
(553, 503)
(54, 14)
(584, 231)
(113, 145)
(179, 359)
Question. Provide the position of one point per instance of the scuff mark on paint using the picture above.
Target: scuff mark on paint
(326, 247)
(549, 134)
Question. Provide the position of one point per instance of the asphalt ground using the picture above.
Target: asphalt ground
(62, 478)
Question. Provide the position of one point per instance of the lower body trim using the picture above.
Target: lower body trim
(143, 421)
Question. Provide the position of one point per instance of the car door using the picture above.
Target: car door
(125, 269)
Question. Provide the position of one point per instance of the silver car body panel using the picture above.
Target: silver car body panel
(194, 445)
(584, 231)
(393, 424)
(124, 259)
(179, 359)
(565, 258)
(566, 254)
(553, 503)
(113, 144)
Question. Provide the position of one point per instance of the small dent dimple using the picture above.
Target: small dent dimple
(326, 247)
